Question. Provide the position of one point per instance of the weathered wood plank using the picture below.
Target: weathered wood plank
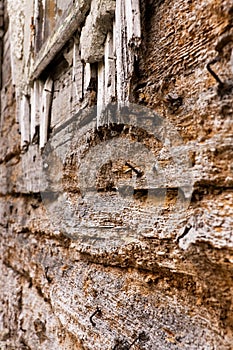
(101, 90)
(36, 93)
(45, 111)
(77, 75)
(24, 121)
(121, 64)
(132, 11)
(110, 69)
(60, 36)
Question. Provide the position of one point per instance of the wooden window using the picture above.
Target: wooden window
(47, 16)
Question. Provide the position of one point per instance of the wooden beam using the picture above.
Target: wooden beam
(128, 39)
(75, 16)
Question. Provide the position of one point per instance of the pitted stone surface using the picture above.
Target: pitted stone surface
(170, 289)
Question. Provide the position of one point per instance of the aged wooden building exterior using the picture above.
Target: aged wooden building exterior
(164, 280)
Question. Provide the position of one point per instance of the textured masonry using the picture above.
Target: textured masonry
(170, 288)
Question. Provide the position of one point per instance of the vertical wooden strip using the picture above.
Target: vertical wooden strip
(46, 111)
(127, 37)
(78, 72)
(100, 92)
(114, 55)
(83, 81)
(87, 75)
(121, 63)
(129, 19)
(107, 72)
(38, 20)
(25, 121)
(133, 20)
(35, 106)
(33, 110)
(136, 18)
(109, 62)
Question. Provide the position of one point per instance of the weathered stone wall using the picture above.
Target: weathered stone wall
(171, 288)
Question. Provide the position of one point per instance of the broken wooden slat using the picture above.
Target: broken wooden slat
(109, 61)
(77, 71)
(24, 121)
(87, 76)
(35, 107)
(133, 20)
(100, 92)
(46, 111)
(128, 39)
(121, 61)
(91, 76)
(59, 37)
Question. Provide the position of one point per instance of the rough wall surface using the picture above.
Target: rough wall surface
(171, 289)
